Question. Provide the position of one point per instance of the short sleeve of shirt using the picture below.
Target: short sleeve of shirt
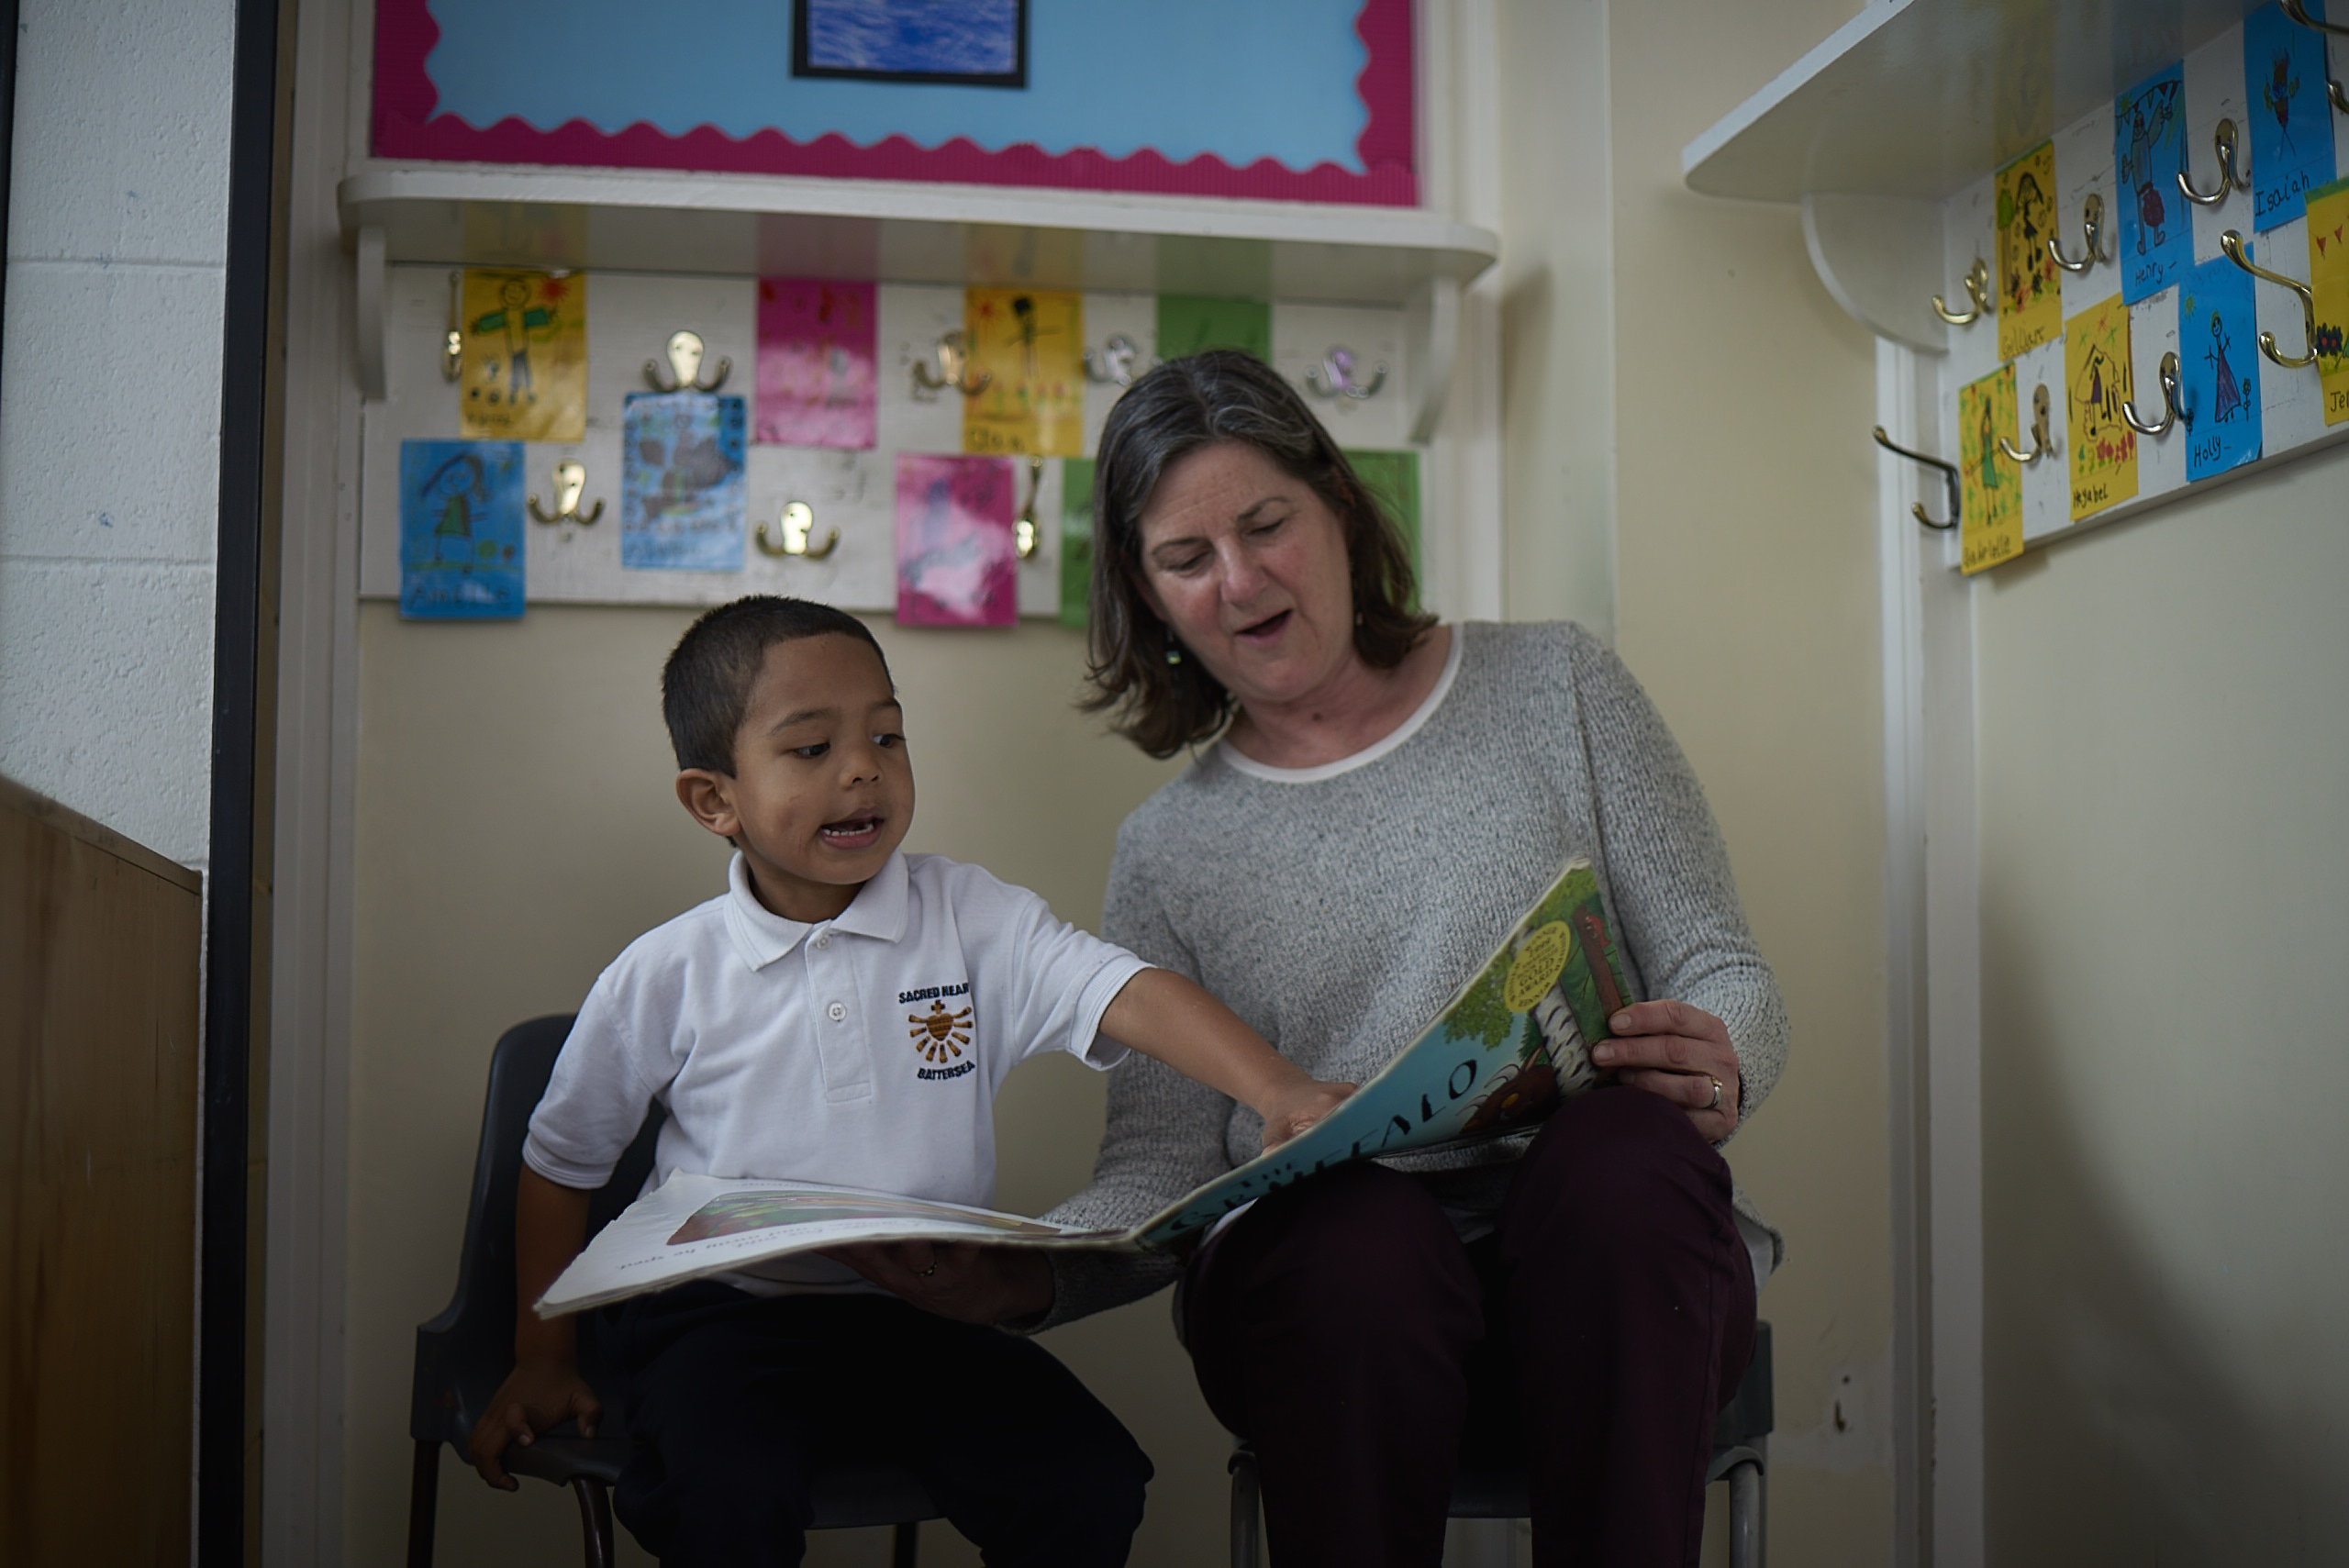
(1053, 980)
(595, 1100)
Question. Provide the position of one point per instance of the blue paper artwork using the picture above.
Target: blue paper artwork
(2291, 124)
(2218, 352)
(461, 530)
(911, 37)
(682, 502)
(2156, 238)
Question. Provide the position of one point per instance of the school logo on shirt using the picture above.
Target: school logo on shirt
(939, 1035)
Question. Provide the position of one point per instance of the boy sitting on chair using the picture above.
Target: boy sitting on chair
(788, 1025)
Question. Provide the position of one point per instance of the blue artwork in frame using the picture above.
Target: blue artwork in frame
(2218, 330)
(2291, 124)
(971, 43)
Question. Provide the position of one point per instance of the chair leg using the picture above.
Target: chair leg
(423, 1499)
(1748, 1499)
(904, 1542)
(1247, 1547)
(594, 1521)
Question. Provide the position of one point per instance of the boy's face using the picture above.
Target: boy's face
(822, 791)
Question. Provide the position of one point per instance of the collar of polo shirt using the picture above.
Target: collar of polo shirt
(761, 936)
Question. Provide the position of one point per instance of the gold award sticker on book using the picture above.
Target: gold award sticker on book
(1539, 963)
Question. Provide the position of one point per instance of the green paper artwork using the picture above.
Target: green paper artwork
(1393, 477)
(1076, 539)
(1187, 325)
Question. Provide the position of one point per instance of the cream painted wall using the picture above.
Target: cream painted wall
(516, 829)
(2164, 762)
(1744, 553)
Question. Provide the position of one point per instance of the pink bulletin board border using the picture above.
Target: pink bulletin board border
(406, 126)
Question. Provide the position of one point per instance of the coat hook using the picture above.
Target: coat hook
(2039, 442)
(954, 363)
(2091, 235)
(570, 482)
(1337, 376)
(1025, 536)
(1113, 363)
(1977, 289)
(2169, 403)
(2297, 10)
(798, 521)
(452, 347)
(2232, 243)
(1949, 478)
(685, 367)
(2229, 180)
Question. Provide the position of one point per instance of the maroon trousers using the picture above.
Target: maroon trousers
(1344, 1329)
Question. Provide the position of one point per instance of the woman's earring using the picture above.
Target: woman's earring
(1173, 654)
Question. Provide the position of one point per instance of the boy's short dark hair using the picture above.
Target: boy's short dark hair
(705, 685)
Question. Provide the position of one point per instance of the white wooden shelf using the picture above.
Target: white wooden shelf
(1916, 99)
(750, 226)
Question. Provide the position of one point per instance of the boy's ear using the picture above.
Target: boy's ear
(708, 797)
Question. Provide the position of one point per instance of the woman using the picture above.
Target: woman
(1388, 796)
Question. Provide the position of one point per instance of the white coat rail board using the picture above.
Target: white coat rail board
(1889, 132)
(752, 226)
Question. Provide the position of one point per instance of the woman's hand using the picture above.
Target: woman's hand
(1299, 1106)
(962, 1280)
(1681, 1053)
(541, 1392)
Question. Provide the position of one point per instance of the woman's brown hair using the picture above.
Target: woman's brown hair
(1178, 408)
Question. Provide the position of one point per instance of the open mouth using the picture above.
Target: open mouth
(852, 832)
(1266, 629)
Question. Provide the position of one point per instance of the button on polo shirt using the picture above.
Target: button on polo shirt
(861, 1052)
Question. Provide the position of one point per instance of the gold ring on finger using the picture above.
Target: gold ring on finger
(1715, 1103)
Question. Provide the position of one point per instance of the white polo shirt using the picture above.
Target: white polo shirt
(861, 1052)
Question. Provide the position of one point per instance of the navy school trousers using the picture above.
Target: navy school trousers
(1342, 1327)
(731, 1398)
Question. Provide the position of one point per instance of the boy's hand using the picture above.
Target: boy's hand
(536, 1395)
(1299, 1106)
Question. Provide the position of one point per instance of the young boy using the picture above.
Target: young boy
(789, 1026)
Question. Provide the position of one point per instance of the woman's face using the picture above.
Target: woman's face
(1247, 567)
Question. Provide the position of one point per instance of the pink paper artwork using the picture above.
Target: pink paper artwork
(957, 564)
(816, 378)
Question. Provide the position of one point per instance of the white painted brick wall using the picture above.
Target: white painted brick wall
(109, 409)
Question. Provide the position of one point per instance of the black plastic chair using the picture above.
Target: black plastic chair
(463, 1354)
(1740, 1456)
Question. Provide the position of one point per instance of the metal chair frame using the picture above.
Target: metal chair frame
(464, 1353)
(1740, 1456)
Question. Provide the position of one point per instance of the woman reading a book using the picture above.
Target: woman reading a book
(1375, 798)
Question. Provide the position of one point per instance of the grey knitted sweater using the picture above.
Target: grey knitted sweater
(1336, 908)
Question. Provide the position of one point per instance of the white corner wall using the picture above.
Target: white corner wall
(110, 409)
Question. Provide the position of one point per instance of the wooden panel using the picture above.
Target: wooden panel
(98, 973)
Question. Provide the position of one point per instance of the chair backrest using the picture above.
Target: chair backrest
(465, 1352)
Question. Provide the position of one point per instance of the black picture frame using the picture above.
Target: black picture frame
(1016, 77)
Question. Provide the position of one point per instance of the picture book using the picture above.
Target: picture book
(1512, 1043)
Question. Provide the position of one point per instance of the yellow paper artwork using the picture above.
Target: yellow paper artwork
(1990, 483)
(525, 370)
(1030, 347)
(2329, 277)
(2096, 381)
(2031, 301)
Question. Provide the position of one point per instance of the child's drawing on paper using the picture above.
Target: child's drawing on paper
(2327, 208)
(2219, 402)
(524, 375)
(2031, 305)
(1989, 481)
(2098, 375)
(2156, 241)
(956, 565)
(461, 529)
(682, 493)
(2291, 124)
(816, 363)
(1028, 345)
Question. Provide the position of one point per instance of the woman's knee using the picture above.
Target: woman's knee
(1353, 1237)
(1619, 1161)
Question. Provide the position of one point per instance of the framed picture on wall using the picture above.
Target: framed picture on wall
(970, 43)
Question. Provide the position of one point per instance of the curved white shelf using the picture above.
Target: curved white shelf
(754, 226)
